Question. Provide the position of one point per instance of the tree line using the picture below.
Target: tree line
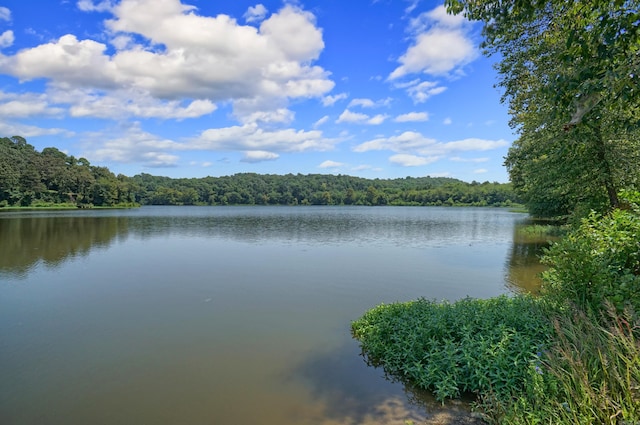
(50, 177)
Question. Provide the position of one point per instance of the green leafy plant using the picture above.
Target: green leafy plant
(598, 262)
(477, 346)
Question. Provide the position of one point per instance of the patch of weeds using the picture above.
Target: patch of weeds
(590, 375)
(472, 345)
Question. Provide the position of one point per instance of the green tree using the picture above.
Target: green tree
(569, 70)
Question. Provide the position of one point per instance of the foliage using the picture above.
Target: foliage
(569, 75)
(478, 346)
(590, 375)
(30, 178)
(597, 262)
(51, 177)
(319, 189)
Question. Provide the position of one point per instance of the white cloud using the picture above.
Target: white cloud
(368, 103)
(411, 142)
(352, 117)
(377, 120)
(90, 6)
(132, 145)
(359, 118)
(250, 137)
(259, 156)
(27, 131)
(186, 56)
(5, 14)
(364, 103)
(255, 13)
(331, 164)
(26, 105)
(321, 121)
(6, 39)
(122, 103)
(412, 117)
(441, 45)
(407, 160)
(407, 141)
(422, 92)
(447, 121)
(480, 171)
(331, 100)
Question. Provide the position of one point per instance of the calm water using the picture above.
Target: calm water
(228, 315)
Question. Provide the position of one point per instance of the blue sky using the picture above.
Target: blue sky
(191, 88)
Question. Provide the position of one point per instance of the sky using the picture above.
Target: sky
(193, 88)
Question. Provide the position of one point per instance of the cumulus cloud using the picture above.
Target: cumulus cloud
(369, 103)
(441, 45)
(423, 91)
(411, 145)
(250, 137)
(134, 145)
(352, 117)
(91, 6)
(447, 121)
(321, 121)
(412, 117)
(25, 105)
(184, 55)
(480, 171)
(377, 119)
(30, 130)
(331, 100)
(364, 103)
(407, 160)
(259, 156)
(359, 118)
(255, 13)
(5, 14)
(6, 39)
(331, 164)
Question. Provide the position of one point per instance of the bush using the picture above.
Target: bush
(598, 262)
(477, 346)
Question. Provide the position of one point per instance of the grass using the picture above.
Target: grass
(589, 375)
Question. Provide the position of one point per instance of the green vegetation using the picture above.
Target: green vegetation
(572, 355)
(475, 346)
(569, 71)
(598, 262)
(318, 189)
(50, 178)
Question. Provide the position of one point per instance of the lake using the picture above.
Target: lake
(229, 315)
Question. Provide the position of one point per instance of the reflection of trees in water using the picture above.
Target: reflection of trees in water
(357, 393)
(52, 240)
(523, 266)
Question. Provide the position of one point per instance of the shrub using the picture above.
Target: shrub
(477, 346)
(598, 262)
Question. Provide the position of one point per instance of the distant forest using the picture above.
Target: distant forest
(29, 178)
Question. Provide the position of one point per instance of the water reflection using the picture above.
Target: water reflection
(353, 394)
(50, 239)
(523, 265)
(33, 239)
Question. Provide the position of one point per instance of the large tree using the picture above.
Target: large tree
(569, 70)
